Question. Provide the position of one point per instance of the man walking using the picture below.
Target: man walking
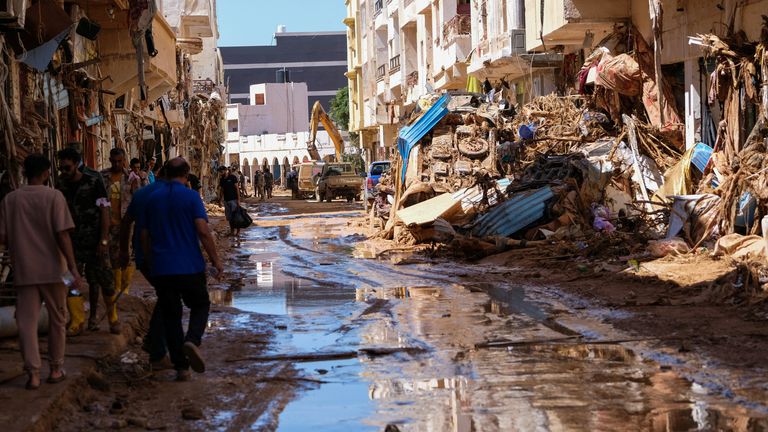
(89, 204)
(269, 182)
(293, 182)
(35, 224)
(154, 341)
(120, 187)
(229, 196)
(171, 239)
(258, 184)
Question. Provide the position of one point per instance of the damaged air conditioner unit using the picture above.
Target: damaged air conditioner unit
(12, 13)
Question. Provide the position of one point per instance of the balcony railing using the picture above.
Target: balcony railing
(394, 64)
(381, 71)
(459, 25)
(378, 5)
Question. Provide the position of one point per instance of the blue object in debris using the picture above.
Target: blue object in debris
(745, 216)
(701, 155)
(528, 131)
(509, 217)
(409, 136)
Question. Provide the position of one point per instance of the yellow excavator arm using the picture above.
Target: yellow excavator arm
(320, 116)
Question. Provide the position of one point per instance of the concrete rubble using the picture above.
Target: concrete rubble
(601, 163)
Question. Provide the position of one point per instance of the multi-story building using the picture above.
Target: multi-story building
(318, 59)
(398, 51)
(272, 130)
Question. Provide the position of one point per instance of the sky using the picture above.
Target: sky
(253, 22)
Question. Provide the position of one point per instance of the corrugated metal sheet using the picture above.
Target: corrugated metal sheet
(471, 197)
(410, 135)
(516, 213)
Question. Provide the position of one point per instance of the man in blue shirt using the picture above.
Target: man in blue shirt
(154, 341)
(175, 224)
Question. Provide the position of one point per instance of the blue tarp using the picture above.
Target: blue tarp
(509, 217)
(409, 136)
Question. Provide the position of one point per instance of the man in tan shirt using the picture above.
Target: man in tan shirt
(35, 224)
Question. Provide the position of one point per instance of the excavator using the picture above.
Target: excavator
(320, 116)
(335, 179)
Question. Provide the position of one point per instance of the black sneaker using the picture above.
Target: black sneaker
(196, 361)
(183, 375)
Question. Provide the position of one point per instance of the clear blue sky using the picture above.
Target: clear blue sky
(253, 22)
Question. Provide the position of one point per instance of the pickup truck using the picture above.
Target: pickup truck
(338, 180)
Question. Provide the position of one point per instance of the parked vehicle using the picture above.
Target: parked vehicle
(372, 179)
(338, 180)
(308, 174)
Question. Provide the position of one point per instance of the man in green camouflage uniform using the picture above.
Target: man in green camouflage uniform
(89, 204)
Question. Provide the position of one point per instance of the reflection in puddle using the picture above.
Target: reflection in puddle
(327, 301)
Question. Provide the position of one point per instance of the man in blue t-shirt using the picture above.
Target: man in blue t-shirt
(154, 341)
(175, 224)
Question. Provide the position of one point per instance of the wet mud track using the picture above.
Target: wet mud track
(443, 347)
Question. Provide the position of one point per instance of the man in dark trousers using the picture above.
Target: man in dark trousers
(269, 182)
(229, 196)
(171, 237)
(154, 341)
(89, 204)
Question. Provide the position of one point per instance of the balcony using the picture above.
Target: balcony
(378, 5)
(394, 64)
(459, 25)
(566, 22)
(381, 72)
(412, 79)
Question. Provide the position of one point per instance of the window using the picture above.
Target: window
(232, 125)
(258, 99)
(379, 169)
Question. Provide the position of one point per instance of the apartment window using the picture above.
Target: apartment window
(258, 99)
(232, 125)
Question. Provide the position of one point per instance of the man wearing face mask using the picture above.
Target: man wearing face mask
(89, 204)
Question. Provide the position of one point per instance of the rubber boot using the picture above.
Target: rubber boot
(127, 276)
(76, 307)
(114, 323)
(117, 273)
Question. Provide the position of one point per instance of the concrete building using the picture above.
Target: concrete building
(318, 59)
(398, 51)
(272, 130)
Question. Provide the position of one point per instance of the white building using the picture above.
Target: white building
(273, 130)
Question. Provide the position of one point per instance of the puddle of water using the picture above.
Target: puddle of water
(309, 279)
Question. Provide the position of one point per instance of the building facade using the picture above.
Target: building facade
(317, 59)
(400, 50)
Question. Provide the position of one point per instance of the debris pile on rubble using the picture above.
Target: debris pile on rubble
(606, 162)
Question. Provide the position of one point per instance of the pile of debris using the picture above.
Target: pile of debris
(608, 161)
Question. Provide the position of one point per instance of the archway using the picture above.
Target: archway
(296, 160)
(306, 158)
(286, 170)
(246, 169)
(264, 164)
(276, 170)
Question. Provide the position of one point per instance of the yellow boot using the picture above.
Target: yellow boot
(114, 323)
(117, 273)
(76, 307)
(127, 277)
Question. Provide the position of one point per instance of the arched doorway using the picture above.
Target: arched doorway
(246, 169)
(296, 160)
(306, 159)
(264, 164)
(276, 170)
(286, 169)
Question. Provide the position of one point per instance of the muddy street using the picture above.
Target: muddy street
(309, 332)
